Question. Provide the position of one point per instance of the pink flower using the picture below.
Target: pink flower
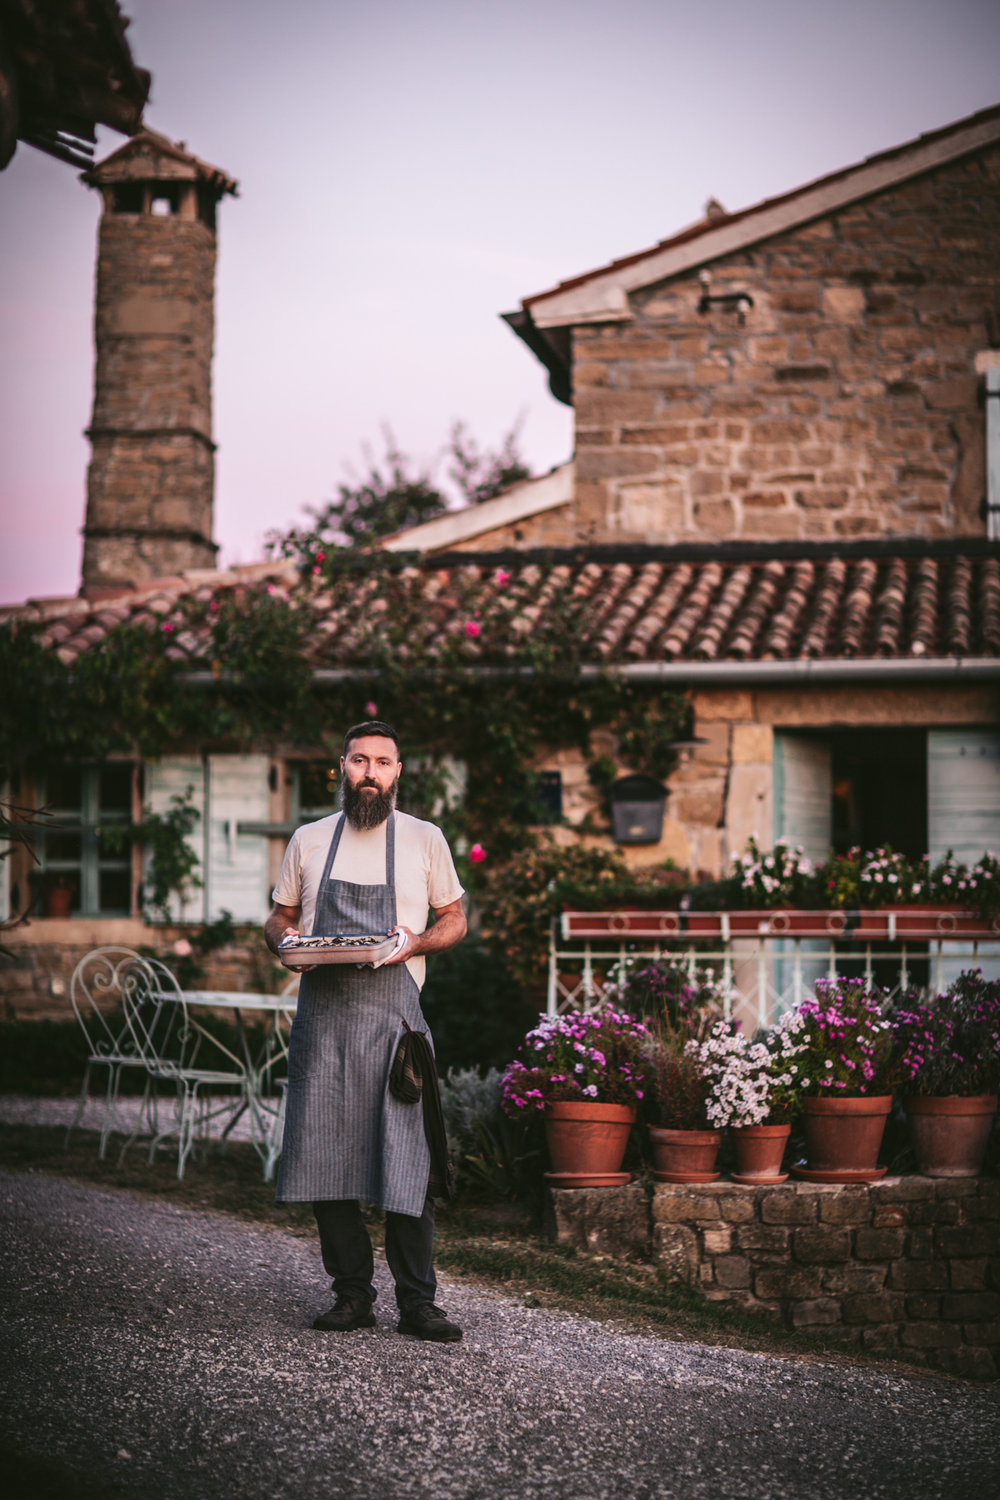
(321, 557)
(182, 948)
(214, 605)
(501, 578)
(477, 854)
(471, 628)
(166, 627)
(317, 569)
(371, 709)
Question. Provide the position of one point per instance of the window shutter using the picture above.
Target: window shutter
(170, 777)
(963, 815)
(963, 793)
(803, 793)
(237, 867)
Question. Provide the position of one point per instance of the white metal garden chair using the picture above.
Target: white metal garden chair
(175, 1050)
(97, 991)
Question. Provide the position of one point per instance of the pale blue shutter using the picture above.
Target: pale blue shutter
(237, 879)
(172, 776)
(803, 793)
(963, 815)
(803, 814)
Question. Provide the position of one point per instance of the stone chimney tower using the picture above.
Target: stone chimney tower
(152, 469)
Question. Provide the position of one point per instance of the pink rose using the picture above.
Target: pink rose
(371, 709)
(471, 628)
(477, 854)
(501, 578)
(182, 948)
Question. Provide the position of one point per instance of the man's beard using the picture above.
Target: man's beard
(367, 809)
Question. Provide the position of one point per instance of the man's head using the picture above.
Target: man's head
(370, 765)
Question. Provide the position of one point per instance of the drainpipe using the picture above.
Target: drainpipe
(988, 365)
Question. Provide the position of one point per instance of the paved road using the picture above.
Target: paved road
(158, 1352)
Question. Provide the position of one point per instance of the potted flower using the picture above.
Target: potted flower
(845, 1072)
(684, 1141)
(948, 1056)
(753, 1089)
(585, 1072)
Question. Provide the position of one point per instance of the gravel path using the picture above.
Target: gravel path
(162, 1352)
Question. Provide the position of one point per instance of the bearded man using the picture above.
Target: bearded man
(348, 1140)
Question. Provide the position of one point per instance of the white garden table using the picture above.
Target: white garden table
(265, 1095)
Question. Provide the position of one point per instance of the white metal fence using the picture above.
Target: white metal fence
(761, 975)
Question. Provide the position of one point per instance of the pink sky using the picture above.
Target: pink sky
(407, 173)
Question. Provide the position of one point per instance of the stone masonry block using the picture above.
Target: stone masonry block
(819, 1312)
(679, 1205)
(969, 1275)
(879, 1244)
(675, 1248)
(966, 1240)
(982, 1333)
(902, 1190)
(771, 1239)
(821, 1245)
(840, 1281)
(956, 1187)
(930, 1335)
(787, 1206)
(873, 1307)
(918, 1276)
(881, 1338)
(738, 1208)
(732, 1272)
(795, 1282)
(602, 1221)
(970, 1307)
(970, 1364)
(888, 1218)
(920, 1244)
(924, 1305)
(850, 1206)
(717, 1241)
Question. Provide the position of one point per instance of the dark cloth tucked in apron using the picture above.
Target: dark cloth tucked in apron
(345, 1134)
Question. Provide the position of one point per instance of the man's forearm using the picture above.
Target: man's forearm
(450, 928)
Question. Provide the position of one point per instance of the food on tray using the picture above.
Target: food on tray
(341, 948)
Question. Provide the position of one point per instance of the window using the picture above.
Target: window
(77, 850)
(314, 786)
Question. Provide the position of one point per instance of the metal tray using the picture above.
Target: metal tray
(346, 948)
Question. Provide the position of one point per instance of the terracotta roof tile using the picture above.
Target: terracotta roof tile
(637, 605)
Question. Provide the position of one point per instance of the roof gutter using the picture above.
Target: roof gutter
(711, 673)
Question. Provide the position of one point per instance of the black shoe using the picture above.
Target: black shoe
(425, 1321)
(346, 1314)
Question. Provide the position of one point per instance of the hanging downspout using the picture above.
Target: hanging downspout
(988, 365)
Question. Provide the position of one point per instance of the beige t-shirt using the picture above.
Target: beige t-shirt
(425, 871)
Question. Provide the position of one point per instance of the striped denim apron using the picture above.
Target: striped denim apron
(345, 1135)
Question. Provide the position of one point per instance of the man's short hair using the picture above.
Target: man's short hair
(371, 726)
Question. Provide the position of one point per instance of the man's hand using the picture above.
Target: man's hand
(282, 923)
(449, 928)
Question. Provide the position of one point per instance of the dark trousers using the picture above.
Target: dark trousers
(348, 1258)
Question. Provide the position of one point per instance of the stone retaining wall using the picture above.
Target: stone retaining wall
(908, 1266)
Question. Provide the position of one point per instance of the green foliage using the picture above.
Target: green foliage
(43, 1057)
(482, 475)
(475, 1009)
(173, 863)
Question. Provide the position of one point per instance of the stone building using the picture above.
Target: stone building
(151, 477)
(782, 502)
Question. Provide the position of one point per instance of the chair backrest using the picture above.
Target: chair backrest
(157, 1018)
(97, 991)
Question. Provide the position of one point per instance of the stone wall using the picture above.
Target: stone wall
(35, 972)
(906, 1267)
(844, 403)
(151, 477)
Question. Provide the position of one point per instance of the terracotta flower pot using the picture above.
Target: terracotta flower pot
(759, 1151)
(950, 1133)
(58, 900)
(843, 1137)
(684, 1155)
(586, 1142)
